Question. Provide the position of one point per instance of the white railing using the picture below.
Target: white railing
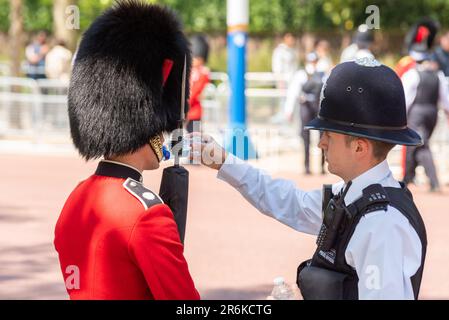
(31, 109)
(264, 100)
(5, 69)
(36, 109)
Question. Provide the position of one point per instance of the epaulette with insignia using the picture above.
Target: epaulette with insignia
(144, 195)
(374, 198)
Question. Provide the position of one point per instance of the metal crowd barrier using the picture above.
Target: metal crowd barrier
(5, 69)
(37, 111)
(32, 109)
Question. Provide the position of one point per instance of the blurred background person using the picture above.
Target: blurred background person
(284, 64)
(425, 88)
(35, 54)
(285, 59)
(361, 46)
(199, 78)
(441, 54)
(322, 50)
(309, 101)
(58, 62)
(294, 91)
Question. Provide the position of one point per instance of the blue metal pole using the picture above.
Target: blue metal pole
(237, 139)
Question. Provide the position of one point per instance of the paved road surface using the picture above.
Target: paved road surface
(234, 252)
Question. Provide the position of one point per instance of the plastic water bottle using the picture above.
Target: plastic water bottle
(281, 290)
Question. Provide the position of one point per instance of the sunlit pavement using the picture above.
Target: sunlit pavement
(234, 252)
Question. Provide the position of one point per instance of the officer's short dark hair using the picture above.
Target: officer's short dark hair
(380, 148)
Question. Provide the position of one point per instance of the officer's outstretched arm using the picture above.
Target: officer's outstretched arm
(277, 198)
(206, 150)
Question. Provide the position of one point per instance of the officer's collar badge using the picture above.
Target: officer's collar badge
(367, 62)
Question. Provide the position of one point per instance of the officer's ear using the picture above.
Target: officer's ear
(362, 147)
(355, 143)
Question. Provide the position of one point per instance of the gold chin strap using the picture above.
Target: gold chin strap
(156, 145)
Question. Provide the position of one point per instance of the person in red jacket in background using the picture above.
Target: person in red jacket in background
(200, 77)
(115, 238)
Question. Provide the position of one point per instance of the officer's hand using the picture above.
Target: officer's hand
(206, 150)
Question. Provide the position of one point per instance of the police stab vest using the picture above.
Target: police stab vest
(327, 275)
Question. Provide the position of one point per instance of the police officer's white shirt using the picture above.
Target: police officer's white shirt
(384, 250)
(410, 81)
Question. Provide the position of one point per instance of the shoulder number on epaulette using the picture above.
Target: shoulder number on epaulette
(144, 195)
(375, 198)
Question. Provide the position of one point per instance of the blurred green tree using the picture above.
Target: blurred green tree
(267, 17)
(16, 35)
(4, 15)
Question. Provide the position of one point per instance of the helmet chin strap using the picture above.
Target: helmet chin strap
(156, 145)
(155, 142)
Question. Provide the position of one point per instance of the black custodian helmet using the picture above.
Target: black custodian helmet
(127, 79)
(364, 98)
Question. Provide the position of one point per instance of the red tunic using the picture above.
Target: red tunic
(118, 243)
(405, 64)
(198, 81)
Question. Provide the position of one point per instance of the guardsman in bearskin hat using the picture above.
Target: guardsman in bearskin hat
(115, 238)
(371, 240)
(419, 39)
(199, 79)
(425, 90)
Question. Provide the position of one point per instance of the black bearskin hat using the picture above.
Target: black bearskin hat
(200, 47)
(127, 79)
(422, 34)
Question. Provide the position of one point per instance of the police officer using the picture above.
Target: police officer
(309, 101)
(372, 240)
(425, 89)
(115, 238)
